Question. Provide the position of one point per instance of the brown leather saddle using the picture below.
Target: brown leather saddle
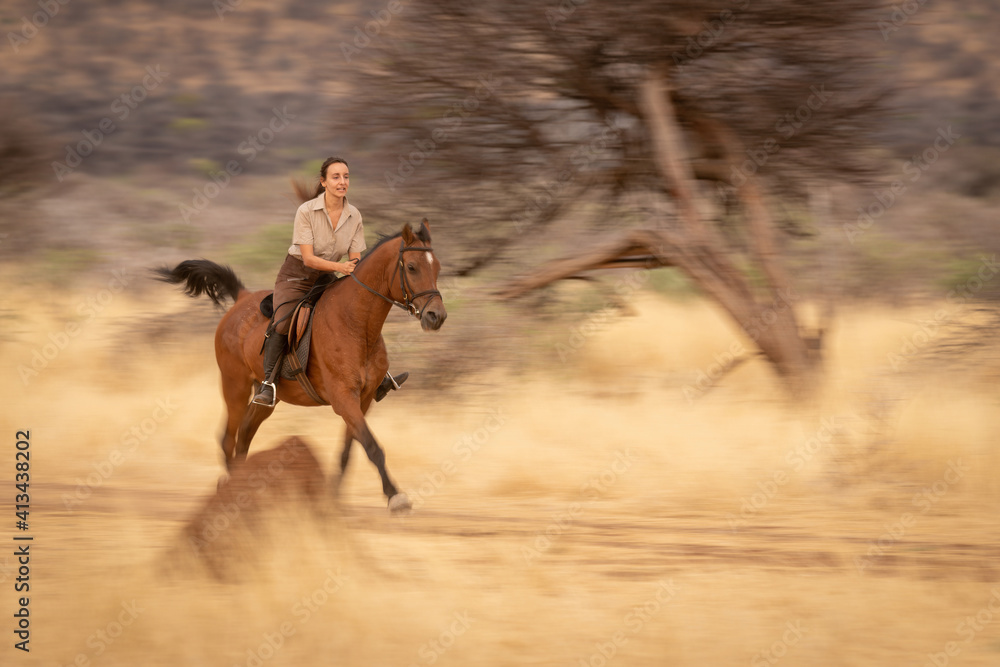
(296, 360)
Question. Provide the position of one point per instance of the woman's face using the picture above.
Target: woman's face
(337, 179)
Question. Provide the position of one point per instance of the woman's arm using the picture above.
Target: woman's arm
(314, 262)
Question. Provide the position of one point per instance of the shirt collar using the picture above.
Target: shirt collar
(319, 202)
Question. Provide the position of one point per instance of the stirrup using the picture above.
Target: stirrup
(395, 385)
(388, 384)
(274, 395)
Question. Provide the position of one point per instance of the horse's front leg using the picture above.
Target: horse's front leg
(345, 457)
(252, 419)
(351, 412)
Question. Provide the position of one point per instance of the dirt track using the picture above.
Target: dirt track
(609, 542)
(548, 580)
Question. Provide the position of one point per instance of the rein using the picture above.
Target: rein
(404, 284)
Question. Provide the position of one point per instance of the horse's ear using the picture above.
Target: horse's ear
(408, 236)
(425, 231)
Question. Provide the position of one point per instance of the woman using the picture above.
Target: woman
(326, 228)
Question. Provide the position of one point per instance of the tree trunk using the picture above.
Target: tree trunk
(697, 248)
(772, 325)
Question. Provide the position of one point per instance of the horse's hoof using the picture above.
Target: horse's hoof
(400, 503)
(222, 482)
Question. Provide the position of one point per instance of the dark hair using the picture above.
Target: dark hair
(322, 172)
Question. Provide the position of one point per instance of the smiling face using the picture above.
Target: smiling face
(336, 179)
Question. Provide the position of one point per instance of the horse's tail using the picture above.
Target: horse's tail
(200, 276)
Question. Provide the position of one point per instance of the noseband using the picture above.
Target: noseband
(408, 297)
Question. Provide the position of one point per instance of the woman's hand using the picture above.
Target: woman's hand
(314, 262)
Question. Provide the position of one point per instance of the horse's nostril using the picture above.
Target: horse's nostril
(432, 319)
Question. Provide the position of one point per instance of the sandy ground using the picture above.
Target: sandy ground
(599, 511)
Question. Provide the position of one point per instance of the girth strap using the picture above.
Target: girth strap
(300, 375)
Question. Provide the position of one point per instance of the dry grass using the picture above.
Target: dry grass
(586, 510)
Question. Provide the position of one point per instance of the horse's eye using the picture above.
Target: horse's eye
(411, 267)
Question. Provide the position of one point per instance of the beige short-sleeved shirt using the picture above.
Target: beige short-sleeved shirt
(331, 242)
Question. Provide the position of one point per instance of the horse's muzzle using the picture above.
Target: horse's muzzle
(433, 317)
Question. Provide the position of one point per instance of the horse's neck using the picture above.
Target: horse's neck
(369, 310)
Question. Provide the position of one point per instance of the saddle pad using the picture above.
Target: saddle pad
(301, 352)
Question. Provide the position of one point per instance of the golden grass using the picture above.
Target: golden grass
(551, 512)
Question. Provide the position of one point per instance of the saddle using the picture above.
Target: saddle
(296, 361)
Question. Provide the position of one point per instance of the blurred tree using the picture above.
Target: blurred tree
(688, 116)
(22, 150)
(25, 151)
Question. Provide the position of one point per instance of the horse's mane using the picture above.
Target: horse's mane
(422, 234)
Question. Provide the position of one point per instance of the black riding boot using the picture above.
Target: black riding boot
(274, 352)
(390, 383)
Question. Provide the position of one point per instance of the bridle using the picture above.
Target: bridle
(408, 297)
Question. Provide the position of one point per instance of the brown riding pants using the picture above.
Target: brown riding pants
(294, 280)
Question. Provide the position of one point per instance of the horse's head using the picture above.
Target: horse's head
(419, 269)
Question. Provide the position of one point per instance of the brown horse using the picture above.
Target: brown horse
(348, 357)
